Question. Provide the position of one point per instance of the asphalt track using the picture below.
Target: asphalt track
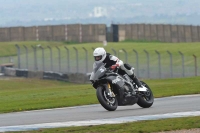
(188, 105)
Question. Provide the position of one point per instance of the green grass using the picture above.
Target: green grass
(30, 94)
(20, 94)
(9, 48)
(132, 127)
(176, 86)
(141, 41)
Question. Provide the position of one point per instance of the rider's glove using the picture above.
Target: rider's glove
(113, 67)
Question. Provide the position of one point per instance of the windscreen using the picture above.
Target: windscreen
(98, 71)
(96, 66)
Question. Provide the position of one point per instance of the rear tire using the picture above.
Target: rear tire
(145, 99)
(107, 102)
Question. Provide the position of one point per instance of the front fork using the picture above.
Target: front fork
(109, 92)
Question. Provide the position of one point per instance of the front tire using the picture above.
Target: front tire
(145, 99)
(109, 103)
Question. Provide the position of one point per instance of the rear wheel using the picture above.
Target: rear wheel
(109, 103)
(145, 99)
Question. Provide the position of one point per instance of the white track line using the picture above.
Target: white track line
(98, 122)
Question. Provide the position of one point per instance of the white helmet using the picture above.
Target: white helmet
(99, 54)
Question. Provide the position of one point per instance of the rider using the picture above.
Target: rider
(113, 62)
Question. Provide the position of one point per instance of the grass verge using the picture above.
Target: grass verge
(132, 127)
(21, 94)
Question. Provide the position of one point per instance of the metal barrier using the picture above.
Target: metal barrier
(75, 60)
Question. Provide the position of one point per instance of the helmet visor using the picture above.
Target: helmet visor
(97, 58)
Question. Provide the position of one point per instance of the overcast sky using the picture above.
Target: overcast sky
(31, 10)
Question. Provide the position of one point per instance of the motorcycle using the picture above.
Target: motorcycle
(115, 90)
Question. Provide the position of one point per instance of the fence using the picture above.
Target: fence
(157, 32)
(99, 32)
(80, 60)
(72, 33)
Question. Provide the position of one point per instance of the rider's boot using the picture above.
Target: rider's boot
(138, 83)
(130, 71)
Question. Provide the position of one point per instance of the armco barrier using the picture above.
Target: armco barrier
(60, 76)
(48, 75)
(21, 73)
(3, 66)
(78, 78)
(72, 77)
(10, 71)
(35, 74)
(55, 76)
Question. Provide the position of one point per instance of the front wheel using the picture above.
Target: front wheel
(109, 103)
(145, 99)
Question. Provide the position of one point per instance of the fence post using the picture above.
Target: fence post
(148, 71)
(86, 61)
(77, 66)
(137, 64)
(68, 60)
(195, 63)
(115, 53)
(59, 62)
(159, 64)
(125, 55)
(35, 57)
(18, 55)
(43, 68)
(171, 67)
(183, 69)
(51, 58)
(26, 56)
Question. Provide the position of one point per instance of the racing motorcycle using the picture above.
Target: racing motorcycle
(113, 89)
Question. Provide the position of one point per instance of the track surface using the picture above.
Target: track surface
(95, 112)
